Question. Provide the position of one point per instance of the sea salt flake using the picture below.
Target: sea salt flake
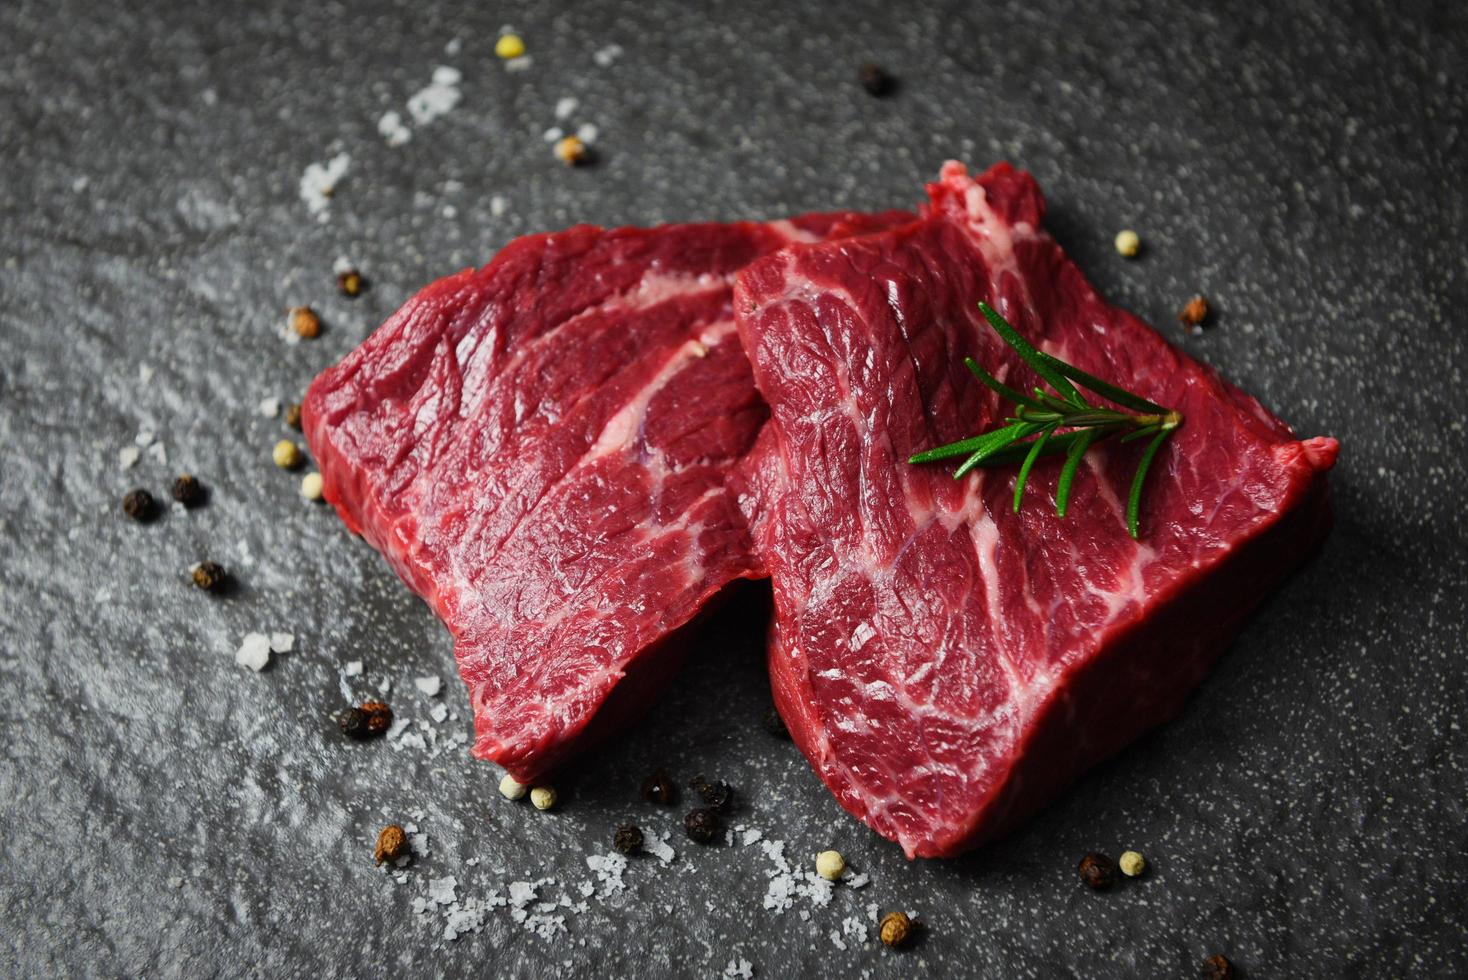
(391, 128)
(608, 869)
(439, 713)
(254, 652)
(319, 182)
(353, 668)
(438, 98)
(428, 685)
(128, 456)
(855, 880)
(739, 969)
(269, 407)
(441, 890)
(282, 642)
(659, 848)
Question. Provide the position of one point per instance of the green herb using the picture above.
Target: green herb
(1062, 421)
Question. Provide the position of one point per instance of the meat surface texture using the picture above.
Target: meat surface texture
(539, 449)
(949, 666)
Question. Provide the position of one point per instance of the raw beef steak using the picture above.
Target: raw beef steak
(947, 665)
(539, 449)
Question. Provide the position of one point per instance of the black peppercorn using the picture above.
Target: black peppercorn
(628, 839)
(353, 723)
(658, 788)
(369, 719)
(1218, 967)
(188, 491)
(209, 575)
(876, 81)
(1097, 871)
(379, 716)
(701, 825)
(717, 794)
(140, 506)
(775, 725)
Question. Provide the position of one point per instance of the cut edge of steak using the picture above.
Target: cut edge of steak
(538, 448)
(1077, 693)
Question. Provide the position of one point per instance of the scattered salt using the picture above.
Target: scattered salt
(587, 133)
(391, 128)
(740, 969)
(428, 685)
(521, 63)
(498, 205)
(353, 668)
(127, 456)
(566, 106)
(659, 847)
(608, 869)
(441, 890)
(439, 713)
(282, 642)
(605, 56)
(453, 47)
(254, 652)
(318, 184)
(270, 407)
(436, 99)
(553, 134)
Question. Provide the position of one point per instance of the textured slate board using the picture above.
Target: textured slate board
(167, 812)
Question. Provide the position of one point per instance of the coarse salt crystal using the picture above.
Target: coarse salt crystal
(128, 456)
(521, 63)
(553, 134)
(282, 642)
(427, 104)
(318, 184)
(254, 652)
(270, 407)
(498, 205)
(353, 668)
(391, 128)
(441, 890)
(566, 106)
(428, 685)
(439, 713)
(587, 133)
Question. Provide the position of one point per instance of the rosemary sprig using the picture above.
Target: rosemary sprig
(1062, 421)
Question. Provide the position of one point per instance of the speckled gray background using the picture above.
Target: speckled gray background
(165, 812)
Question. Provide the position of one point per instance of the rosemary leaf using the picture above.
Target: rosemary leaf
(993, 383)
(1040, 362)
(1068, 471)
(1036, 448)
(1134, 498)
(1089, 381)
(1002, 438)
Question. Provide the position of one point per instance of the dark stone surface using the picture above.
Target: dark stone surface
(167, 812)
